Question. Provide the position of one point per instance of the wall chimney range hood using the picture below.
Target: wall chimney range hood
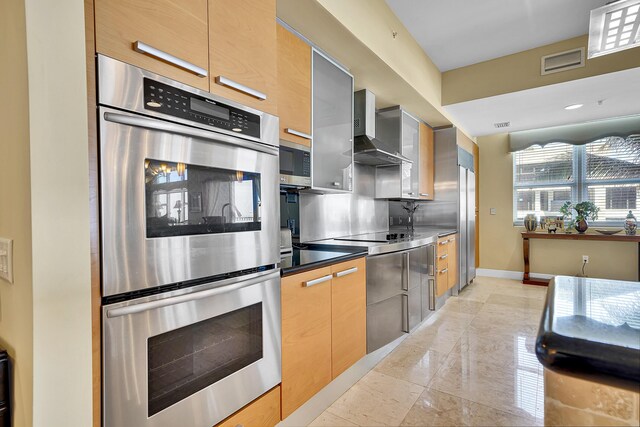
(367, 149)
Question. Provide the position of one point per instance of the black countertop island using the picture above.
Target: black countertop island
(590, 328)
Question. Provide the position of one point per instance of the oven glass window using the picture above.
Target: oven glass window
(183, 199)
(186, 360)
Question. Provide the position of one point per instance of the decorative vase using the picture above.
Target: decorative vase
(582, 226)
(630, 224)
(530, 223)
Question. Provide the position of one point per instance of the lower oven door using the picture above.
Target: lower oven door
(192, 357)
(180, 203)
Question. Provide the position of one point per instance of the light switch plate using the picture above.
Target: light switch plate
(492, 211)
(6, 259)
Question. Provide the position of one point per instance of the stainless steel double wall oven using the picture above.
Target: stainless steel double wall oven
(190, 221)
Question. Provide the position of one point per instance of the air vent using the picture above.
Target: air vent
(502, 124)
(562, 61)
(356, 123)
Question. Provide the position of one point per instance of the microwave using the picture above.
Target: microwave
(295, 165)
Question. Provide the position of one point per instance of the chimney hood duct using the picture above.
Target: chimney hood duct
(367, 149)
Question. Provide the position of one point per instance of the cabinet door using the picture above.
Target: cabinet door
(442, 281)
(348, 314)
(163, 36)
(410, 149)
(453, 261)
(332, 148)
(427, 165)
(294, 87)
(242, 46)
(264, 412)
(306, 336)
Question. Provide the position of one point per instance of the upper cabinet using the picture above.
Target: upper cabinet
(332, 147)
(163, 36)
(242, 52)
(427, 164)
(410, 149)
(294, 87)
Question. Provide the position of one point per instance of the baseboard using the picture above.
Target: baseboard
(507, 274)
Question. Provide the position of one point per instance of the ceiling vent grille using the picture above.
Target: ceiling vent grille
(562, 61)
(502, 124)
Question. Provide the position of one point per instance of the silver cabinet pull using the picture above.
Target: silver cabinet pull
(297, 133)
(444, 256)
(142, 47)
(444, 271)
(405, 313)
(424, 194)
(411, 193)
(346, 272)
(444, 242)
(317, 281)
(335, 184)
(432, 295)
(223, 81)
(405, 267)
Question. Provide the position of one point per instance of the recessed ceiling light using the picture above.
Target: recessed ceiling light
(614, 27)
(573, 106)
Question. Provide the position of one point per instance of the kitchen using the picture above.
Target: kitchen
(144, 245)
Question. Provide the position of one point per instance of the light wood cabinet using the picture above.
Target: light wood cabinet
(452, 274)
(294, 87)
(126, 29)
(427, 165)
(306, 337)
(442, 266)
(242, 52)
(323, 328)
(263, 412)
(348, 314)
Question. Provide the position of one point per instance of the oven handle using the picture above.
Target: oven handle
(186, 131)
(146, 306)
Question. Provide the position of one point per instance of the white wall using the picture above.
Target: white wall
(60, 213)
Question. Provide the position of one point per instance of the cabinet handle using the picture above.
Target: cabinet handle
(424, 194)
(297, 133)
(411, 193)
(142, 47)
(444, 271)
(317, 281)
(405, 262)
(346, 272)
(444, 256)
(444, 242)
(223, 81)
(335, 184)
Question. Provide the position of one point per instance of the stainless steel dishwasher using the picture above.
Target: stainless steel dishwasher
(400, 293)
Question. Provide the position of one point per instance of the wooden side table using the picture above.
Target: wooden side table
(526, 236)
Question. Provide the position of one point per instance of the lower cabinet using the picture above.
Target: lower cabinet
(323, 328)
(452, 275)
(262, 412)
(446, 264)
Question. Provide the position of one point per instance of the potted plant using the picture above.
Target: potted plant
(585, 211)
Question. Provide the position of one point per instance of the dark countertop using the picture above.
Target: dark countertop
(316, 256)
(591, 328)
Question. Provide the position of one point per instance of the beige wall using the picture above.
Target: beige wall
(521, 71)
(501, 243)
(60, 214)
(16, 313)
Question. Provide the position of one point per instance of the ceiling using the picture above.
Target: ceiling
(544, 106)
(456, 33)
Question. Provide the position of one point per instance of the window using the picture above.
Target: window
(607, 172)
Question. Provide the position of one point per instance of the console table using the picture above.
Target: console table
(526, 235)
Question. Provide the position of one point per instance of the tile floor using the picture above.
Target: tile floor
(471, 363)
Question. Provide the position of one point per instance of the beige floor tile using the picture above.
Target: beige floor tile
(327, 419)
(435, 408)
(458, 305)
(440, 334)
(516, 301)
(411, 363)
(377, 399)
(516, 389)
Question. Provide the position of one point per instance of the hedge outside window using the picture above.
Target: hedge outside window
(606, 172)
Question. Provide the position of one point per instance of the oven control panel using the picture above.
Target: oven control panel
(176, 102)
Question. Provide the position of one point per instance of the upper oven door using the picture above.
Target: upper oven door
(181, 203)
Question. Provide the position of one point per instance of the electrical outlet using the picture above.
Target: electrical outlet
(6, 259)
(492, 211)
(585, 259)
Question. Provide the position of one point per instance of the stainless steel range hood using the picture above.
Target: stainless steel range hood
(367, 149)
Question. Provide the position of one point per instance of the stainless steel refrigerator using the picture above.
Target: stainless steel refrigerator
(454, 204)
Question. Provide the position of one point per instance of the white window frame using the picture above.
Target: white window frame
(579, 191)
